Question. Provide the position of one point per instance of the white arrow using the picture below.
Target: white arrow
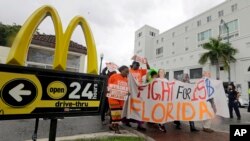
(17, 91)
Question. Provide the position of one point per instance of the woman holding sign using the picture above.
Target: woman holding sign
(191, 123)
(137, 74)
(161, 75)
(118, 85)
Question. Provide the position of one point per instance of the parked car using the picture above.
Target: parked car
(243, 102)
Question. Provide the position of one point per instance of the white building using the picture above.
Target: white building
(179, 49)
(41, 54)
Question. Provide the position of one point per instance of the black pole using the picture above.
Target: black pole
(52, 130)
(34, 136)
(100, 66)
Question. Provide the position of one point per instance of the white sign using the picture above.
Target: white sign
(162, 101)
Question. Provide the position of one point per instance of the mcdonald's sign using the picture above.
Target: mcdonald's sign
(36, 93)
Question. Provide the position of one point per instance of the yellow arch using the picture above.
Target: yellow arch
(60, 60)
(19, 50)
(20, 46)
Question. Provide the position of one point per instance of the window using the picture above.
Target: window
(139, 43)
(178, 75)
(209, 18)
(44, 58)
(232, 27)
(140, 34)
(234, 7)
(186, 49)
(199, 23)
(248, 44)
(172, 43)
(167, 75)
(220, 13)
(173, 52)
(159, 51)
(205, 35)
(157, 41)
(248, 68)
(195, 73)
(139, 51)
(173, 34)
(186, 28)
(162, 39)
(221, 68)
(151, 33)
(186, 40)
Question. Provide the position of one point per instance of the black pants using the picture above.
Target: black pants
(105, 107)
(191, 123)
(234, 105)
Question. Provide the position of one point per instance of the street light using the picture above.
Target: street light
(101, 55)
(223, 24)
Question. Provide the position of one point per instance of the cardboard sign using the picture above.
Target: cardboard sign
(112, 66)
(139, 59)
(117, 92)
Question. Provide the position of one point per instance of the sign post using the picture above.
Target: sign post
(40, 93)
(34, 136)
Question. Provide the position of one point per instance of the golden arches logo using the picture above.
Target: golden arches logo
(20, 46)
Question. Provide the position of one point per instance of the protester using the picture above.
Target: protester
(115, 104)
(161, 75)
(151, 75)
(207, 123)
(138, 73)
(186, 79)
(105, 105)
(233, 96)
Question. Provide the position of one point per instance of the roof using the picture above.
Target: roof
(49, 41)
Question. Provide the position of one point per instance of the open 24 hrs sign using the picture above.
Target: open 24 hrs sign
(30, 92)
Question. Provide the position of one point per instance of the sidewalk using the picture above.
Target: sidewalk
(184, 134)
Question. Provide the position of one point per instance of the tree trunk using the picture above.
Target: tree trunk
(218, 71)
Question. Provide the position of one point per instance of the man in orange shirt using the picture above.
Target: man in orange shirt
(115, 104)
(137, 72)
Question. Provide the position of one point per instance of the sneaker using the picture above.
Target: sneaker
(128, 125)
(162, 128)
(140, 128)
(208, 130)
(194, 130)
(239, 118)
(178, 127)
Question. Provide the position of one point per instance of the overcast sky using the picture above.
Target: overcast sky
(113, 22)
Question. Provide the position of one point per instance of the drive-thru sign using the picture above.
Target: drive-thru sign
(34, 93)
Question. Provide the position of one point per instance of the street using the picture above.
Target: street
(20, 130)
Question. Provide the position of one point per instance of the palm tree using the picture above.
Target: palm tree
(218, 52)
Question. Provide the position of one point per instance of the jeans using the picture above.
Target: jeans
(234, 105)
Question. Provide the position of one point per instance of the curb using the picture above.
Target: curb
(128, 132)
(138, 133)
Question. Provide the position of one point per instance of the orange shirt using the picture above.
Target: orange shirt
(138, 74)
(118, 79)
